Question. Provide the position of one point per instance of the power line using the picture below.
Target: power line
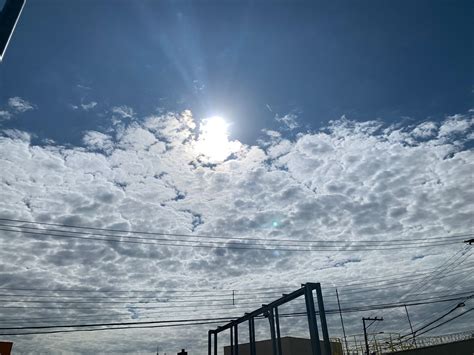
(136, 299)
(389, 242)
(389, 285)
(438, 271)
(436, 326)
(199, 293)
(439, 318)
(107, 300)
(115, 328)
(211, 291)
(200, 302)
(447, 321)
(129, 307)
(95, 315)
(195, 235)
(228, 245)
(118, 323)
(429, 300)
(168, 325)
(436, 314)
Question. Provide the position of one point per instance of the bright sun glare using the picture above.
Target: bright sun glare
(213, 139)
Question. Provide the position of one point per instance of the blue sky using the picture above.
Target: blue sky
(349, 124)
(366, 60)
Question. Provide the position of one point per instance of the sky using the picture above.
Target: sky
(290, 123)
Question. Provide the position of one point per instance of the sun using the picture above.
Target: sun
(215, 130)
(213, 141)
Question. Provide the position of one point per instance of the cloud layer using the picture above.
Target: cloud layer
(350, 181)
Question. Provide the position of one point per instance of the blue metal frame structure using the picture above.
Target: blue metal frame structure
(271, 312)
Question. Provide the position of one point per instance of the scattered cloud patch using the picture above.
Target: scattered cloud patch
(425, 130)
(86, 107)
(124, 111)
(16, 134)
(289, 121)
(83, 87)
(5, 115)
(97, 140)
(18, 104)
(456, 124)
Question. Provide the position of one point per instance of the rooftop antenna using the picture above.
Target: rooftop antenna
(9, 16)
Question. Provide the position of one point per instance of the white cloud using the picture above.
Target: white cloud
(123, 111)
(19, 105)
(352, 181)
(86, 107)
(425, 130)
(5, 115)
(456, 124)
(89, 106)
(289, 121)
(98, 140)
(17, 135)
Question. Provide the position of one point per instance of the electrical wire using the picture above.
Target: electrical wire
(205, 293)
(462, 235)
(223, 245)
(437, 319)
(447, 321)
(430, 300)
(227, 239)
(117, 326)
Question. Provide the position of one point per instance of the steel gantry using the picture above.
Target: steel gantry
(270, 311)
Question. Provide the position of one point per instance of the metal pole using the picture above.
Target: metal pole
(232, 341)
(215, 343)
(252, 337)
(322, 316)
(312, 323)
(209, 343)
(409, 321)
(236, 340)
(342, 321)
(253, 345)
(365, 338)
(272, 331)
(277, 325)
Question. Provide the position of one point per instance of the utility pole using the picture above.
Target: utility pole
(365, 331)
(233, 297)
(342, 321)
(411, 327)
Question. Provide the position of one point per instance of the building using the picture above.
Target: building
(5, 347)
(289, 346)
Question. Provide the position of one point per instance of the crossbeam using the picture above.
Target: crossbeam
(271, 311)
